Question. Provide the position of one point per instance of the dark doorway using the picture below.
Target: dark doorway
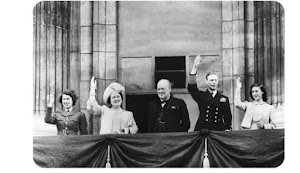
(138, 104)
(171, 68)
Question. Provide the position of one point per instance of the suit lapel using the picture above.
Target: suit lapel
(218, 96)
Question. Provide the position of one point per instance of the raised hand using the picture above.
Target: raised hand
(51, 99)
(197, 61)
(238, 83)
(92, 91)
(93, 83)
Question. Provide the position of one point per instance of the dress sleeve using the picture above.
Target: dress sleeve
(92, 105)
(271, 124)
(133, 128)
(48, 117)
(237, 100)
(247, 121)
(94, 108)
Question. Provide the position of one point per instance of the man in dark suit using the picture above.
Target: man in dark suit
(215, 113)
(167, 113)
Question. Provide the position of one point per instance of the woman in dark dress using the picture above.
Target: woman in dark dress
(69, 121)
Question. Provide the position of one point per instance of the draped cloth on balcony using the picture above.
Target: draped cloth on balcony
(255, 148)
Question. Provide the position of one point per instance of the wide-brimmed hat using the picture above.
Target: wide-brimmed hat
(115, 86)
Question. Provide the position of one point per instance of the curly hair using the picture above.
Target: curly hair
(70, 93)
(262, 88)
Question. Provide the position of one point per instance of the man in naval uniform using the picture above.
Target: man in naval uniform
(167, 113)
(215, 113)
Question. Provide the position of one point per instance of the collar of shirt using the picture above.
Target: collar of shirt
(213, 93)
(163, 102)
(69, 110)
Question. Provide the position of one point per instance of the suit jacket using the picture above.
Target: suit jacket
(67, 124)
(215, 113)
(175, 113)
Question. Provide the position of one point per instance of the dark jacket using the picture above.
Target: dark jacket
(67, 124)
(215, 113)
(175, 115)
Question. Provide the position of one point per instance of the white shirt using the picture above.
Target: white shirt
(213, 92)
(163, 104)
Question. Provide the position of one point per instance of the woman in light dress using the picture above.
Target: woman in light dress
(259, 114)
(113, 119)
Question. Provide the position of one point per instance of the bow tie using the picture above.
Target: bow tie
(162, 102)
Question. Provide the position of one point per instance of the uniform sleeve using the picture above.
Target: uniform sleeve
(228, 115)
(48, 117)
(133, 128)
(83, 125)
(185, 124)
(193, 89)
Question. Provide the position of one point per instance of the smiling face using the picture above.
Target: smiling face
(212, 82)
(67, 101)
(257, 93)
(163, 89)
(115, 99)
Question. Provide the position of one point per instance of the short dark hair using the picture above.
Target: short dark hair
(70, 93)
(211, 73)
(262, 88)
(108, 99)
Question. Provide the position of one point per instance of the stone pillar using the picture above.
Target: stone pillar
(86, 61)
(104, 44)
(233, 53)
(249, 46)
(43, 59)
(104, 47)
(75, 49)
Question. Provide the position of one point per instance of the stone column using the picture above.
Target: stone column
(75, 49)
(86, 61)
(249, 46)
(233, 53)
(104, 47)
(104, 44)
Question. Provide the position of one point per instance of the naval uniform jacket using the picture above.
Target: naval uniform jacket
(67, 124)
(215, 113)
(174, 115)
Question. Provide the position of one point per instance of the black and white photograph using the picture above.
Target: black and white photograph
(158, 84)
(150, 84)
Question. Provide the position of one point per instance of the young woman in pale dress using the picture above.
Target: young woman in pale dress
(113, 119)
(259, 114)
